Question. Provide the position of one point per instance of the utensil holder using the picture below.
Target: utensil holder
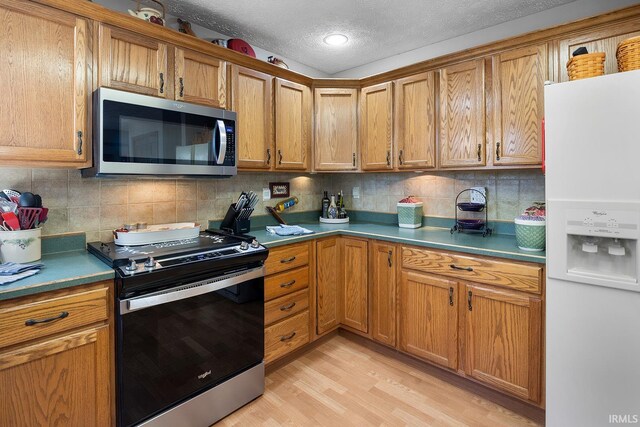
(20, 245)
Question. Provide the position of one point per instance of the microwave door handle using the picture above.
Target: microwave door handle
(222, 134)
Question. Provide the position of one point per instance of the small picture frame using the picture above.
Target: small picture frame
(279, 189)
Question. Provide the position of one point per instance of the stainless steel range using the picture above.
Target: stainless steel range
(189, 328)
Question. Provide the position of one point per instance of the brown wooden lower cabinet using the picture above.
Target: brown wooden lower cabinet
(503, 340)
(60, 375)
(383, 261)
(355, 298)
(328, 265)
(429, 318)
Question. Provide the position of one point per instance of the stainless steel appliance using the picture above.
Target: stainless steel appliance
(189, 328)
(144, 135)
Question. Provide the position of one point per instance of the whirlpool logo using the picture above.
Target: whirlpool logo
(204, 375)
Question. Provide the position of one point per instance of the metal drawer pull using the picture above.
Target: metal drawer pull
(469, 296)
(280, 157)
(287, 337)
(288, 284)
(79, 142)
(287, 307)
(400, 159)
(268, 156)
(388, 158)
(389, 261)
(479, 152)
(451, 296)
(181, 87)
(455, 267)
(497, 150)
(287, 260)
(161, 82)
(32, 322)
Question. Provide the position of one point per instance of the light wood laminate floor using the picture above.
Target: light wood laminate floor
(342, 383)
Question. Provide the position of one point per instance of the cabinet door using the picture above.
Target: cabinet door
(44, 60)
(462, 115)
(200, 78)
(518, 84)
(336, 129)
(293, 125)
(383, 290)
(415, 126)
(355, 299)
(252, 100)
(64, 381)
(132, 62)
(376, 120)
(602, 40)
(328, 265)
(503, 339)
(429, 318)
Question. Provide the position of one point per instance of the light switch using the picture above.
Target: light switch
(355, 192)
(266, 194)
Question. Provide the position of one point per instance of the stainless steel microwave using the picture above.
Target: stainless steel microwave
(144, 135)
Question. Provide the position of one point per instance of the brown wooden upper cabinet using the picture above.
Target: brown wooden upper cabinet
(415, 121)
(136, 63)
(602, 40)
(462, 115)
(200, 78)
(293, 125)
(503, 340)
(34, 39)
(252, 100)
(336, 129)
(518, 85)
(376, 126)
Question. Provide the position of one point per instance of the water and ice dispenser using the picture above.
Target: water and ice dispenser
(594, 242)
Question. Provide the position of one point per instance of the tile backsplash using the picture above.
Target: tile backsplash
(97, 205)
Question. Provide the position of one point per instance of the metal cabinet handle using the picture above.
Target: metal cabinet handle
(288, 284)
(280, 157)
(32, 322)
(451, 296)
(389, 258)
(455, 267)
(287, 307)
(287, 337)
(479, 152)
(79, 142)
(268, 156)
(161, 82)
(469, 296)
(400, 158)
(181, 87)
(354, 159)
(388, 158)
(288, 260)
(497, 150)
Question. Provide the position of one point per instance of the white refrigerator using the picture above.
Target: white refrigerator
(593, 226)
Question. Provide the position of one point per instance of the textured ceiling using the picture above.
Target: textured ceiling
(376, 29)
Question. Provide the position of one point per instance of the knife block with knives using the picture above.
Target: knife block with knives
(237, 220)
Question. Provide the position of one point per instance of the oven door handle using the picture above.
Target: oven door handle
(189, 290)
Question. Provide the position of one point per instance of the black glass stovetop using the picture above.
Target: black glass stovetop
(210, 240)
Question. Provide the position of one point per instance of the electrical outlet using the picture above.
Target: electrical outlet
(477, 198)
(266, 194)
(355, 192)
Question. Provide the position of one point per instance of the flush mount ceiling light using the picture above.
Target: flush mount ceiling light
(336, 39)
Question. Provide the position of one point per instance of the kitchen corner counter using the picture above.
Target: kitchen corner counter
(61, 270)
(497, 245)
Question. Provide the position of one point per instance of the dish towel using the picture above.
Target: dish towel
(11, 271)
(288, 230)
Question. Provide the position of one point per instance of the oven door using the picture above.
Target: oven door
(175, 344)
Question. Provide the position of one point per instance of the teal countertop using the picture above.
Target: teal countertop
(72, 267)
(496, 245)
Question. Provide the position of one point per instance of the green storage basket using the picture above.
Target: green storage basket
(410, 215)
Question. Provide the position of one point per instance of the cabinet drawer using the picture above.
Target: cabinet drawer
(513, 275)
(285, 283)
(24, 322)
(287, 257)
(284, 337)
(285, 306)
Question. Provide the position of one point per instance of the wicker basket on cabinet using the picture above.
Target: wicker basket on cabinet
(585, 66)
(628, 54)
